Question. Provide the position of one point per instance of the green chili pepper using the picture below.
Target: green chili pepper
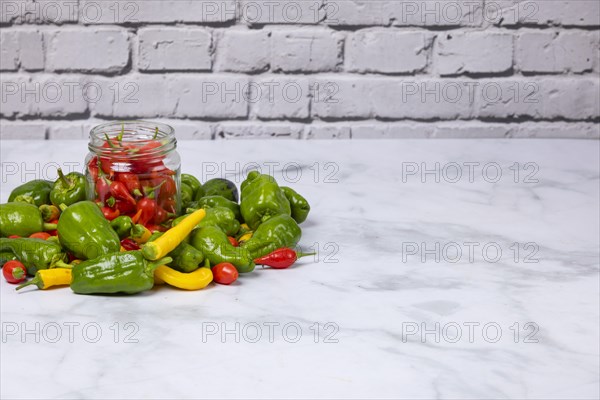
(187, 195)
(122, 225)
(220, 187)
(85, 232)
(35, 254)
(24, 199)
(277, 232)
(186, 258)
(262, 198)
(213, 242)
(194, 183)
(22, 219)
(127, 272)
(6, 256)
(68, 189)
(37, 190)
(300, 206)
(217, 201)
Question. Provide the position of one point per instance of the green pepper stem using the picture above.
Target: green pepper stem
(300, 255)
(50, 227)
(62, 264)
(35, 281)
(110, 143)
(63, 178)
(63, 207)
(163, 261)
(137, 193)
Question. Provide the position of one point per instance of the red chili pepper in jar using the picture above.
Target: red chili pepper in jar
(125, 207)
(281, 258)
(120, 192)
(93, 168)
(102, 188)
(148, 208)
(160, 215)
(131, 181)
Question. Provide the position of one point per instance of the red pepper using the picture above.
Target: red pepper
(129, 244)
(40, 235)
(131, 181)
(148, 208)
(167, 190)
(109, 213)
(281, 258)
(125, 207)
(224, 273)
(119, 191)
(14, 272)
(93, 168)
(233, 241)
(160, 215)
(102, 188)
(14, 237)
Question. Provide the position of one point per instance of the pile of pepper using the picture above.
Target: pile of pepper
(50, 231)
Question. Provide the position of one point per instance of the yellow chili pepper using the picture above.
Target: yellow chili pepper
(122, 249)
(140, 234)
(245, 237)
(46, 278)
(173, 237)
(196, 280)
(245, 227)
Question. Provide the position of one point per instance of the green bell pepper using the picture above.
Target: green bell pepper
(217, 201)
(187, 195)
(122, 225)
(213, 242)
(6, 256)
(68, 189)
(262, 198)
(127, 272)
(22, 219)
(220, 187)
(300, 206)
(221, 217)
(35, 254)
(85, 232)
(186, 258)
(34, 192)
(277, 232)
(192, 182)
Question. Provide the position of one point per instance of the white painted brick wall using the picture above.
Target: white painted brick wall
(306, 69)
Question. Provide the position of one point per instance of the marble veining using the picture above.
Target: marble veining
(380, 313)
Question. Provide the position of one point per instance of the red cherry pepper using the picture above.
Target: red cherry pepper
(281, 258)
(119, 191)
(129, 244)
(14, 271)
(224, 273)
(148, 208)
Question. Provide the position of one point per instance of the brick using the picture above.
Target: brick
(262, 12)
(395, 130)
(133, 96)
(328, 131)
(158, 12)
(554, 130)
(440, 13)
(568, 98)
(542, 13)
(243, 51)
(258, 130)
(174, 49)
(387, 51)
(38, 11)
(340, 98)
(306, 51)
(21, 49)
(19, 130)
(421, 99)
(473, 53)
(357, 13)
(463, 130)
(65, 130)
(209, 96)
(279, 98)
(556, 52)
(42, 95)
(191, 130)
(87, 50)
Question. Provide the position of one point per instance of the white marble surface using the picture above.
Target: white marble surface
(374, 293)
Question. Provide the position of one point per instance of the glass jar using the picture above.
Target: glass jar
(133, 169)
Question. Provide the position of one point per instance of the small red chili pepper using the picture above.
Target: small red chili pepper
(148, 208)
(119, 190)
(14, 271)
(125, 207)
(161, 215)
(131, 181)
(93, 168)
(129, 244)
(109, 213)
(40, 235)
(281, 258)
(137, 216)
(14, 237)
(102, 188)
(233, 241)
